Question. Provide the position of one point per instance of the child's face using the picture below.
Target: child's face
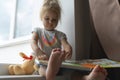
(50, 20)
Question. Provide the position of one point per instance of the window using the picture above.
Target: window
(23, 17)
(6, 8)
(17, 18)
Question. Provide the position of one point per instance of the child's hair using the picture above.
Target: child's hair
(52, 5)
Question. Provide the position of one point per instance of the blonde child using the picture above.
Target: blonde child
(46, 43)
(44, 40)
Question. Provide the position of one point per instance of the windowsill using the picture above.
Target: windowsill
(15, 42)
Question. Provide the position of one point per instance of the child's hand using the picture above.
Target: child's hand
(68, 52)
(42, 57)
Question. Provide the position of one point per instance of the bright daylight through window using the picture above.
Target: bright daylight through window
(16, 19)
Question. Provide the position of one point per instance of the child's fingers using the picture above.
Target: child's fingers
(63, 55)
(68, 55)
(56, 49)
(42, 57)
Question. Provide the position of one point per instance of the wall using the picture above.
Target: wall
(82, 29)
(10, 54)
(67, 25)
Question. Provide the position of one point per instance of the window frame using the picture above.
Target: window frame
(16, 41)
(13, 18)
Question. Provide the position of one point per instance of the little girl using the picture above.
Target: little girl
(44, 40)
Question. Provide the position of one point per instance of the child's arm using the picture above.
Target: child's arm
(34, 44)
(67, 47)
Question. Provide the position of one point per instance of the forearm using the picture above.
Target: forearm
(66, 45)
(35, 47)
(38, 52)
(68, 50)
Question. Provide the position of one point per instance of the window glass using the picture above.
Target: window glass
(6, 7)
(24, 17)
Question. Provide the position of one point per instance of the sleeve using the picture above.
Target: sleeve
(62, 35)
(35, 29)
